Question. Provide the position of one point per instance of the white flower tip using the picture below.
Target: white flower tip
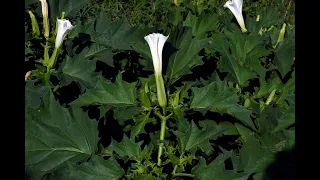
(65, 23)
(156, 35)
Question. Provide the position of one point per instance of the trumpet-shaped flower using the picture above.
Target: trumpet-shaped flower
(64, 26)
(156, 42)
(235, 7)
(44, 7)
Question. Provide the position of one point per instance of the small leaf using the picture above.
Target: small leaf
(97, 168)
(193, 137)
(140, 123)
(126, 148)
(116, 94)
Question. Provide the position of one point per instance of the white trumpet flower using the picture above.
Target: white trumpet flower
(156, 42)
(235, 7)
(64, 26)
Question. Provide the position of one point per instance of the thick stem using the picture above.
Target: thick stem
(162, 133)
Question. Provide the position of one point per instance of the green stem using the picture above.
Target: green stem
(183, 174)
(162, 133)
(47, 77)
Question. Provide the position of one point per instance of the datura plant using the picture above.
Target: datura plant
(197, 99)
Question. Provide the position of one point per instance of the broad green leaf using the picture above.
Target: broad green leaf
(116, 94)
(78, 69)
(187, 55)
(248, 50)
(193, 137)
(284, 56)
(219, 96)
(286, 119)
(55, 135)
(117, 34)
(253, 158)
(101, 53)
(140, 123)
(216, 170)
(34, 94)
(228, 63)
(70, 7)
(126, 148)
(201, 24)
(96, 169)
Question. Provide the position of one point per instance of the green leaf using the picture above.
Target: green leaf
(96, 169)
(284, 55)
(267, 87)
(116, 94)
(193, 137)
(140, 123)
(78, 69)
(70, 7)
(244, 132)
(248, 50)
(187, 55)
(219, 96)
(201, 24)
(117, 34)
(286, 119)
(101, 53)
(230, 128)
(228, 63)
(34, 94)
(81, 28)
(126, 148)
(287, 90)
(55, 135)
(253, 158)
(216, 170)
